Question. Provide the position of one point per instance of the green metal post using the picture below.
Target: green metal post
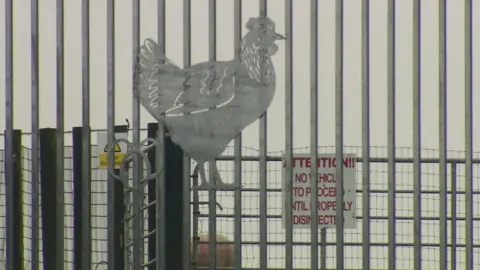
(80, 201)
(151, 133)
(119, 229)
(173, 201)
(17, 208)
(48, 186)
(174, 204)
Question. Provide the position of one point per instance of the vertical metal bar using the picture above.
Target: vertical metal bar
(453, 257)
(186, 263)
(196, 213)
(186, 165)
(288, 185)
(111, 256)
(212, 221)
(137, 214)
(152, 199)
(314, 132)
(60, 134)
(417, 137)
(237, 35)
(35, 110)
(212, 210)
(442, 125)
(366, 133)
(391, 134)
(468, 136)
(263, 173)
(9, 178)
(86, 135)
(122, 195)
(339, 130)
(160, 186)
(323, 249)
(123, 209)
(160, 209)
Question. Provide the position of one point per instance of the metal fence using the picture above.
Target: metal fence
(404, 218)
(416, 208)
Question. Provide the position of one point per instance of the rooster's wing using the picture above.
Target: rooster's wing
(205, 86)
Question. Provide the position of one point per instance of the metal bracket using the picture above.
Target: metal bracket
(132, 149)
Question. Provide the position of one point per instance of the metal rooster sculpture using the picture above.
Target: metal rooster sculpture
(204, 106)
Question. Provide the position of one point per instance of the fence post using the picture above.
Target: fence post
(77, 197)
(15, 212)
(80, 201)
(48, 187)
(151, 133)
(18, 200)
(173, 201)
(119, 228)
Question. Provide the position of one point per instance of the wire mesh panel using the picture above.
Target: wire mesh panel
(99, 215)
(353, 238)
(276, 237)
(430, 215)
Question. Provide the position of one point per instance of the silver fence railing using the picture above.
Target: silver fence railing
(368, 72)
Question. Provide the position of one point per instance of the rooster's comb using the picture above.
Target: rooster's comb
(260, 21)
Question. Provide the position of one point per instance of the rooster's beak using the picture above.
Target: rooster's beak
(277, 36)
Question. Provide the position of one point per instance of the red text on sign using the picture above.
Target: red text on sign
(322, 220)
(321, 205)
(321, 191)
(321, 178)
(322, 162)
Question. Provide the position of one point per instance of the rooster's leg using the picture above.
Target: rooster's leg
(204, 185)
(219, 184)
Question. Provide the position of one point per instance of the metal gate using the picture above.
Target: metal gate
(376, 77)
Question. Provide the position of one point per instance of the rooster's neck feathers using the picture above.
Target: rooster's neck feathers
(256, 60)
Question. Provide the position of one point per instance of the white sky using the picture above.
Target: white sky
(301, 33)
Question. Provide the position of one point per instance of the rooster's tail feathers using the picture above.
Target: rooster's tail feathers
(148, 84)
(152, 53)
